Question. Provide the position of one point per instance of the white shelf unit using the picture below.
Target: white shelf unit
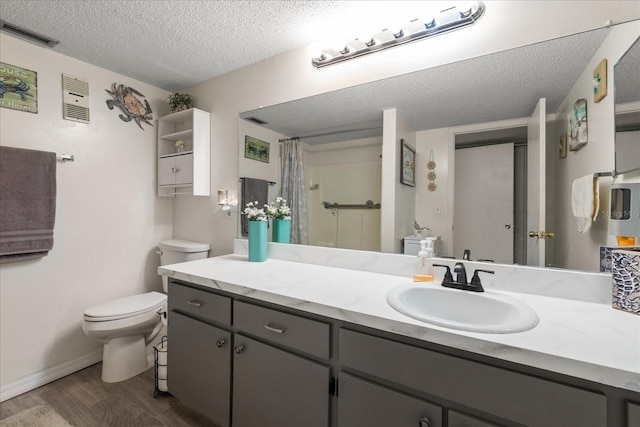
(187, 171)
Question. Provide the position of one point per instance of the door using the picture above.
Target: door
(364, 404)
(484, 194)
(274, 388)
(536, 183)
(199, 366)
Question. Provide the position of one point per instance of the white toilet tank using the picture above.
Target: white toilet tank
(177, 250)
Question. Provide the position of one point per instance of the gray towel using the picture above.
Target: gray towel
(27, 203)
(253, 190)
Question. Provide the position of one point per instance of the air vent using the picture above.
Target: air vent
(75, 99)
(256, 120)
(27, 35)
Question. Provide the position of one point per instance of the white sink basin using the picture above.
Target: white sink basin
(488, 312)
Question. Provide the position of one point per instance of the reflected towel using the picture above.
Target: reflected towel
(253, 190)
(585, 201)
(27, 203)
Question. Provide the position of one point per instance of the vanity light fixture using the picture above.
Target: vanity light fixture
(446, 20)
(223, 201)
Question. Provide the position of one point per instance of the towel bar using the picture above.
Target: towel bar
(65, 158)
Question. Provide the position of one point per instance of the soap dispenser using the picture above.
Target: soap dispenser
(424, 263)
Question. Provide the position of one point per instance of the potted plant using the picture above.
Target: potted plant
(257, 221)
(280, 214)
(180, 102)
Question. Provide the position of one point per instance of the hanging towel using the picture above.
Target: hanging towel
(585, 201)
(27, 203)
(253, 190)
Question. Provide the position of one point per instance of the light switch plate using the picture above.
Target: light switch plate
(600, 81)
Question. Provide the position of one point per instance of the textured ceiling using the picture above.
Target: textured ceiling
(175, 44)
(500, 86)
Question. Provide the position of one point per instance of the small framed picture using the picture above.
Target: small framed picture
(578, 125)
(18, 88)
(408, 164)
(256, 149)
(563, 145)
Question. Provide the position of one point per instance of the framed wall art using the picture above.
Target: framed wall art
(407, 164)
(18, 88)
(256, 149)
(578, 125)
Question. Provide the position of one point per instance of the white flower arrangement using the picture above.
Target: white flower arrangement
(278, 209)
(253, 213)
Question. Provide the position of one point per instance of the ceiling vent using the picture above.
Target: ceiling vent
(256, 120)
(75, 99)
(27, 35)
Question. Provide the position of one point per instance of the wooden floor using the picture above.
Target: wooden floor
(85, 401)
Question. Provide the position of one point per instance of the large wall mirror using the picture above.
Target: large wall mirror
(627, 99)
(347, 124)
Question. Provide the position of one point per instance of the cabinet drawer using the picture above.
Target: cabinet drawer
(364, 404)
(308, 336)
(516, 397)
(205, 305)
(457, 419)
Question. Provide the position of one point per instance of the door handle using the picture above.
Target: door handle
(507, 226)
(542, 234)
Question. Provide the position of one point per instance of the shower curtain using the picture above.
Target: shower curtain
(293, 189)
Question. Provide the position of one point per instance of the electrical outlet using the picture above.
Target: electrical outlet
(437, 211)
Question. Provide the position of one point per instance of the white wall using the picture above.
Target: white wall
(581, 250)
(108, 219)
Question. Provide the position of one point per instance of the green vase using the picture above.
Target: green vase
(281, 230)
(257, 241)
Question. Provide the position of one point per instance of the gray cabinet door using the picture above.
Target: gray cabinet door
(274, 388)
(199, 366)
(365, 404)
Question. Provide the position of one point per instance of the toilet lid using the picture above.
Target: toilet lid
(125, 307)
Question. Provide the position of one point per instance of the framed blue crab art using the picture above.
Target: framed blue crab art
(18, 88)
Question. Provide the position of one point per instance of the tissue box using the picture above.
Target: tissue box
(605, 256)
(625, 266)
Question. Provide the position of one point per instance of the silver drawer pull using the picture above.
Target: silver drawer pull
(238, 349)
(220, 342)
(195, 303)
(273, 328)
(424, 422)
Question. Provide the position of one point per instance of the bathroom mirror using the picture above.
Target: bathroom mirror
(627, 101)
(499, 86)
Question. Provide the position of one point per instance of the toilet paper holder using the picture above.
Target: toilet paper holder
(160, 361)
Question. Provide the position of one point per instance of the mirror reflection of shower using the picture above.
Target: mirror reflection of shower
(341, 179)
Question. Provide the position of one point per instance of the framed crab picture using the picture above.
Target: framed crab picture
(18, 88)
(132, 104)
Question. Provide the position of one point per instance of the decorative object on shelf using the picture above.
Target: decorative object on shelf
(407, 164)
(563, 145)
(256, 149)
(600, 81)
(257, 222)
(180, 102)
(626, 280)
(280, 215)
(133, 107)
(431, 175)
(180, 146)
(18, 88)
(419, 231)
(578, 125)
(223, 201)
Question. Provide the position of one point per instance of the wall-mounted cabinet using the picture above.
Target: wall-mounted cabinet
(184, 141)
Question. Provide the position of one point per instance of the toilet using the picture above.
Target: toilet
(127, 325)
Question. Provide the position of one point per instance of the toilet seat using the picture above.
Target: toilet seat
(126, 307)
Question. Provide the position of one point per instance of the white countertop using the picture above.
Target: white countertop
(588, 340)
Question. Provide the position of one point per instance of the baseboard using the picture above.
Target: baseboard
(35, 380)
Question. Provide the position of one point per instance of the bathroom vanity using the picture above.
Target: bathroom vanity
(285, 343)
